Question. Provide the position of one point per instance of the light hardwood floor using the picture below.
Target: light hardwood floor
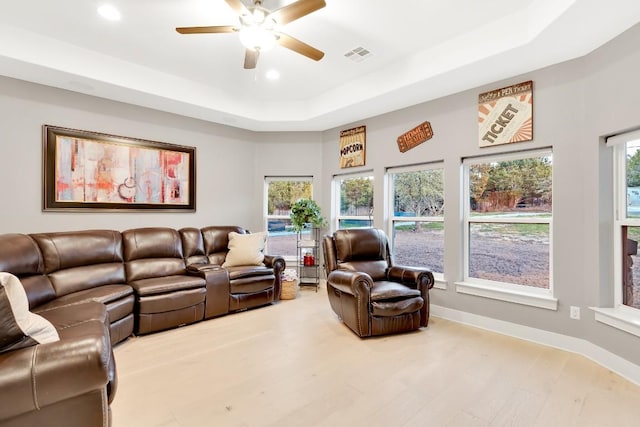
(295, 364)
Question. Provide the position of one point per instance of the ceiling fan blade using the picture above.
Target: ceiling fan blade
(206, 30)
(296, 10)
(238, 7)
(300, 47)
(251, 59)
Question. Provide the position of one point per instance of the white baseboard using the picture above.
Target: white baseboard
(605, 358)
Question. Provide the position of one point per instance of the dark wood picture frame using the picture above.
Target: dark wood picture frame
(92, 171)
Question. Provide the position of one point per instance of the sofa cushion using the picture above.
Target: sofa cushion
(118, 299)
(386, 291)
(245, 249)
(248, 271)
(18, 326)
(396, 308)
(162, 285)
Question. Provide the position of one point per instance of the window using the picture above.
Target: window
(417, 216)
(625, 313)
(281, 193)
(354, 201)
(507, 220)
(627, 222)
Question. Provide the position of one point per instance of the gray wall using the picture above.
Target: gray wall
(230, 163)
(575, 104)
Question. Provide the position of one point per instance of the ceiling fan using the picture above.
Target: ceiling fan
(259, 28)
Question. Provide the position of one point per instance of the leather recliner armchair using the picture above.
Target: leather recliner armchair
(370, 294)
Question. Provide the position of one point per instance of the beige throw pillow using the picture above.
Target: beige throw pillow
(18, 326)
(245, 249)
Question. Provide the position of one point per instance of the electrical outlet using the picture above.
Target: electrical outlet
(574, 312)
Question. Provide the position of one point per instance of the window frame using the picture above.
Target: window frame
(620, 316)
(335, 204)
(392, 218)
(265, 202)
(510, 292)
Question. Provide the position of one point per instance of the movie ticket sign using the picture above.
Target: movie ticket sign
(352, 147)
(415, 137)
(505, 115)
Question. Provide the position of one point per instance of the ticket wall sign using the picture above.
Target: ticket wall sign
(353, 147)
(505, 115)
(415, 137)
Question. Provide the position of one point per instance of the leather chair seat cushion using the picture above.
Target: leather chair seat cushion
(248, 271)
(171, 301)
(166, 284)
(248, 285)
(396, 308)
(118, 299)
(385, 290)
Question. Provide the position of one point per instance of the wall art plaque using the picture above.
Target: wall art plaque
(505, 115)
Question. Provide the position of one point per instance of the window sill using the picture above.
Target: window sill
(497, 292)
(619, 318)
(440, 284)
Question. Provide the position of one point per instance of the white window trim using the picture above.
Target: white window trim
(440, 280)
(265, 201)
(335, 197)
(620, 316)
(508, 292)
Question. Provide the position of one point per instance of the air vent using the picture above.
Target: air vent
(358, 54)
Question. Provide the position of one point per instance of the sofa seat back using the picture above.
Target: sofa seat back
(79, 260)
(166, 296)
(20, 256)
(216, 242)
(89, 266)
(152, 252)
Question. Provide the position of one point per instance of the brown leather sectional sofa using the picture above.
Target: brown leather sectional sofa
(98, 287)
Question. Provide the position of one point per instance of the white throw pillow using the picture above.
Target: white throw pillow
(18, 326)
(245, 249)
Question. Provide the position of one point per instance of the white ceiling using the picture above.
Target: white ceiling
(422, 50)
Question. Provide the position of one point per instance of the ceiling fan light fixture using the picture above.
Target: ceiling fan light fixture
(257, 38)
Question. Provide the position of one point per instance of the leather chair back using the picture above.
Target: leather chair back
(364, 250)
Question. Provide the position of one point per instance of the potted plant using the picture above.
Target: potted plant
(304, 212)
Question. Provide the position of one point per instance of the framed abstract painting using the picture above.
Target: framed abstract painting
(90, 171)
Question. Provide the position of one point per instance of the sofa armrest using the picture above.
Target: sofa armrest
(412, 276)
(41, 375)
(217, 278)
(352, 282)
(358, 285)
(197, 269)
(416, 278)
(278, 264)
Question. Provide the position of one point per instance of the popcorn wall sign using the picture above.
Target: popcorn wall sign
(505, 115)
(353, 147)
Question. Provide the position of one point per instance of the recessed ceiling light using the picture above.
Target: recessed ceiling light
(109, 12)
(273, 75)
